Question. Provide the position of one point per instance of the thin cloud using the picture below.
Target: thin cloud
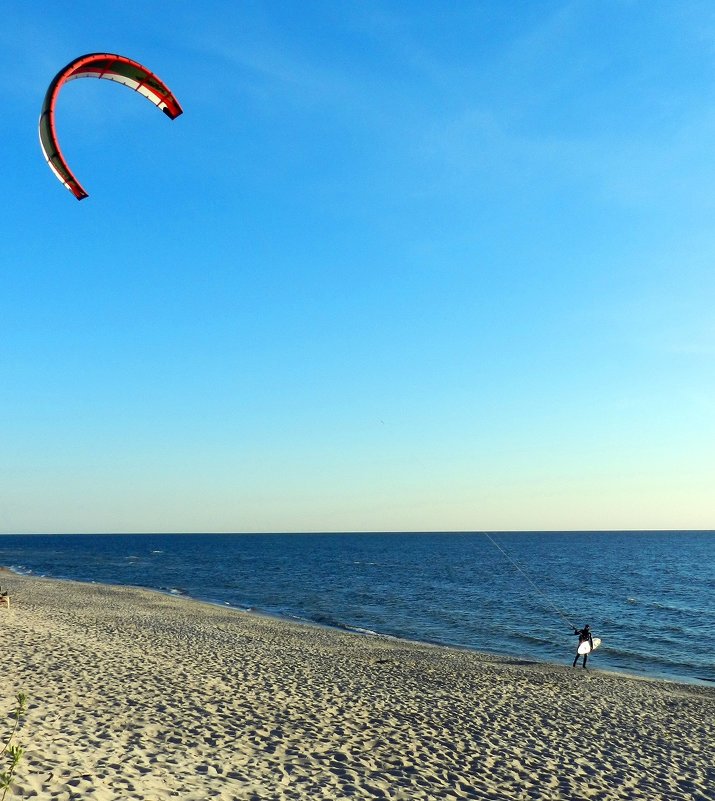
(269, 71)
(30, 58)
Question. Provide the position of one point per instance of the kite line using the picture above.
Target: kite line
(528, 578)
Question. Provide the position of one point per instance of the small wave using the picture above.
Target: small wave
(331, 622)
(667, 607)
(674, 629)
(534, 639)
(359, 630)
(644, 658)
(683, 610)
(157, 551)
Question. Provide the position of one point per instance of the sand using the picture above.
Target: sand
(138, 695)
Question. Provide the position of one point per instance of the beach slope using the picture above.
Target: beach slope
(138, 695)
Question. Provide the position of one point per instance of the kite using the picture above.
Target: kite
(98, 65)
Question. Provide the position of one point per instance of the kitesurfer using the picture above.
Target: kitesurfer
(584, 635)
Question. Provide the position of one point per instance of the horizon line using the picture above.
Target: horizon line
(349, 531)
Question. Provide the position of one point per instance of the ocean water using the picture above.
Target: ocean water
(648, 595)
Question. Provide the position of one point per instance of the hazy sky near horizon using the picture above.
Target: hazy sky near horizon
(425, 266)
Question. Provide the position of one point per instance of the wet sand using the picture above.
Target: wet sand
(138, 695)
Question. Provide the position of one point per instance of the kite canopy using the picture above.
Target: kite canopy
(98, 65)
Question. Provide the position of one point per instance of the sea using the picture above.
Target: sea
(648, 595)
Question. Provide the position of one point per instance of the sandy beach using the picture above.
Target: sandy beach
(138, 695)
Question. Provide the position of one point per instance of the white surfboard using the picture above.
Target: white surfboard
(585, 647)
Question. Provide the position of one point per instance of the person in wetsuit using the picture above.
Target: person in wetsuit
(584, 635)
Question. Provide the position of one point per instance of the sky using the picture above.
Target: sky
(398, 266)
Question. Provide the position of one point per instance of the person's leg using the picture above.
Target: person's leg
(576, 659)
(585, 657)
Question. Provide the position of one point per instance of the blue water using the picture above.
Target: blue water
(648, 595)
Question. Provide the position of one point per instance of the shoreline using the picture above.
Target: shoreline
(147, 696)
(291, 619)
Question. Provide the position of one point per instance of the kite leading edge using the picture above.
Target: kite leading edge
(98, 65)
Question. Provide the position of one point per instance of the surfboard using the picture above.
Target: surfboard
(585, 647)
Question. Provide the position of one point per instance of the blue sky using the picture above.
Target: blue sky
(399, 266)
